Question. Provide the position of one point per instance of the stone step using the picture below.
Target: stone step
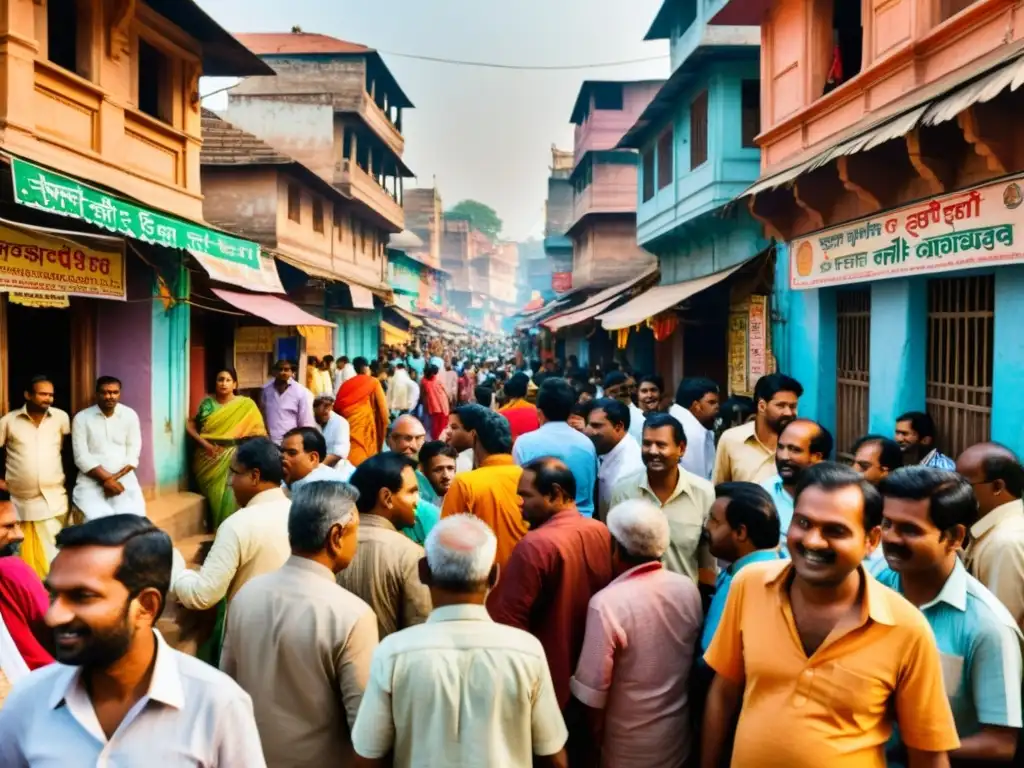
(182, 514)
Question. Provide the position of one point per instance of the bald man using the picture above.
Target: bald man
(802, 444)
(995, 554)
(406, 437)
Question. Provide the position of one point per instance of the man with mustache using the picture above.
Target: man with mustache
(927, 515)
(837, 658)
(802, 444)
(121, 695)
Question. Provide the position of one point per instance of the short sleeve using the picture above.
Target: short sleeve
(547, 725)
(238, 738)
(725, 654)
(593, 676)
(723, 465)
(373, 735)
(3, 432)
(922, 708)
(995, 666)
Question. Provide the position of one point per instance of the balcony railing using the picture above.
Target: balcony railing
(361, 186)
(604, 198)
(382, 126)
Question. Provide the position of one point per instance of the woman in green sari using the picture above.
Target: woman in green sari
(221, 424)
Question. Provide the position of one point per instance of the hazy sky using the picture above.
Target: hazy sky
(484, 133)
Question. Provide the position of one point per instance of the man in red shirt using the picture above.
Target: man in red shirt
(521, 414)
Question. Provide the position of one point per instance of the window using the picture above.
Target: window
(853, 367)
(699, 130)
(750, 104)
(950, 8)
(318, 215)
(648, 174)
(847, 44)
(62, 26)
(339, 223)
(608, 96)
(155, 94)
(665, 158)
(294, 203)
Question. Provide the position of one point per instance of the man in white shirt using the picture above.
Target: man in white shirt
(334, 428)
(618, 455)
(107, 442)
(120, 695)
(302, 450)
(343, 371)
(696, 408)
(617, 386)
(403, 393)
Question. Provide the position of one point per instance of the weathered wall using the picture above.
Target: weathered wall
(300, 126)
(244, 200)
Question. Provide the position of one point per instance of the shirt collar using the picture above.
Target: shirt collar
(757, 556)
(23, 411)
(620, 448)
(638, 570)
(997, 516)
(748, 432)
(682, 486)
(876, 601)
(309, 566)
(954, 591)
(497, 460)
(459, 612)
(267, 497)
(370, 520)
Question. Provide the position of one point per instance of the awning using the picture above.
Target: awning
(409, 317)
(575, 318)
(264, 280)
(392, 335)
(274, 310)
(598, 302)
(362, 295)
(658, 299)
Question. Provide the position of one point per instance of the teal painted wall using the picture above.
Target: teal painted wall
(170, 360)
(1008, 364)
(357, 334)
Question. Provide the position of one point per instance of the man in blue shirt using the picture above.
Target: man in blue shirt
(926, 517)
(557, 439)
(802, 444)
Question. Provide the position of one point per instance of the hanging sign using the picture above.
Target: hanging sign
(35, 262)
(978, 227)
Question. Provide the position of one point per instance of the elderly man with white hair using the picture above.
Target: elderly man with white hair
(460, 690)
(642, 632)
(299, 644)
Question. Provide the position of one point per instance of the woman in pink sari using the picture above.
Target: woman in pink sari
(435, 401)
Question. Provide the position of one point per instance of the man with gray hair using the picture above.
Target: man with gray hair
(642, 632)
(299, 644)
(460, 668)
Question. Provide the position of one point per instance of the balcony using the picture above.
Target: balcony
(604, 198)
(379, 123)
(359, 185)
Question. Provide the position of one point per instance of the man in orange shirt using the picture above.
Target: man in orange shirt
(362, 403)
(824, 658)
(489, 492)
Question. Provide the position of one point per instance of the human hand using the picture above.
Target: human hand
(112, 487)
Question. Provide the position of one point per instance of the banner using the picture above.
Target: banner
(264, 279)
(36, 262)
(969, 228)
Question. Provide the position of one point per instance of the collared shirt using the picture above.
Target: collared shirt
(521, 417)
(427, 492)
(459, 692)
(842, 699)
(937, 460)
(722, 585)
(321, 473)
(337, 436)
(385, 574)
(465, 462)
(489, 492)
(784, 504)
(427, 516)
(980, 648)
(636, 423)
(995, 556)
(450, 379)
(547, 585)
(559, 440)
(113, 443)
(192, 715)
(642, 633)
(300, 645)
(249, 543)
(34, 474)
(621, 461)
(286, 411)
(403, 393)
(742, 457)
(687, 510)
(700, 443)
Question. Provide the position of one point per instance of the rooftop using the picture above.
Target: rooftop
(223, 55)
(582, 104)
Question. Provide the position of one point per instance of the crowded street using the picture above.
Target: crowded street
(449, 385)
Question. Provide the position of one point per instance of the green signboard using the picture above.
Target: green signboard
(49, 191)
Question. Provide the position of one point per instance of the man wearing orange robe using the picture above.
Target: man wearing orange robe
(361, 401)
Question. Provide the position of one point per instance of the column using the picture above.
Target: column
(899, 311)
(170, 367)
(1008, 359)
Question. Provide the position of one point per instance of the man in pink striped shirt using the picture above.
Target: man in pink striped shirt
(642, 632)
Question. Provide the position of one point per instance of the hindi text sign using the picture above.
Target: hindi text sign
(36, 263)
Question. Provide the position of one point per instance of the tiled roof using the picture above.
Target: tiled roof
(224, 144)
(269, 43)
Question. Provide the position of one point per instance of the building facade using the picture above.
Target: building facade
(554, 275)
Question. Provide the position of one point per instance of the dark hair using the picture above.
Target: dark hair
(829, 476)
(661, 420)
(104, 381)
(616, 411)
(37, 379)
(614, 379)
(751, 506)
(518, 385)
(494, 432)
(400, 364)
(736, 408)
(693, 389)
(224, 369)
(483, 395)
(312, 440)
(435, 448)
(769, 386)
(951, 498)
(890, 455)
(146, 551)
(343, 359)
(549, 472)
(1005, 466)
(587, 388)
(262, 455)
(312, 360)
(360, 363)
(328, 359)
(582, 409)
(821, 441)
(471, 415)
(652, 378)
(555, 399)
(920, 422)
(282, 363)
(381, 471)
(5, 495)
(430, 370)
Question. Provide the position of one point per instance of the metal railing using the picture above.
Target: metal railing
(853, 368)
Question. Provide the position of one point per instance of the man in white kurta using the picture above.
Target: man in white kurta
(107, 441)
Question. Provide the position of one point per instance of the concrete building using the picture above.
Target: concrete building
(423, 215)
(891, 179)
(555, 274)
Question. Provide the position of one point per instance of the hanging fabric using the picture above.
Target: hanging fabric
(665, 325)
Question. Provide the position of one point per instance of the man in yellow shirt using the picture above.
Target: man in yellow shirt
(823, 658)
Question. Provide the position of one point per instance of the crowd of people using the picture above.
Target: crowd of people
(440, 561)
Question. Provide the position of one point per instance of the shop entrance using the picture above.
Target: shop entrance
(39, 342)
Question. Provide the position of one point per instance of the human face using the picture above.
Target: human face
(909, 440)
(407, 437)
(722, 539)
(461, 439)
(911, 541)
(778, 411)
(297, 463)
(533, 506)
(283, 373)
(11, 535)
(440, 473)
(225, 384)
(793, 454)
(92, 614)
(41, 398)
(826, 538)
(244, 482)
(322, 411)
(706, 409)
(867, 461)
(402, 503)
(602, 433)
(660, 450)
(108, 396)
(577, 422)
(990, 493)
(649, 397)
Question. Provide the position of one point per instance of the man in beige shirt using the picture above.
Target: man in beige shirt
(299, 644)
(384, 572)
(31, 438)
(747, 453)
(460, 691)
(995, 555)
(252, 541)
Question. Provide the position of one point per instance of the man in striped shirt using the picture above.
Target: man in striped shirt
(915, 433)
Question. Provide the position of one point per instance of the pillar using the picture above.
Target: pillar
(1008, 359)
(899, 311)
(170, 361)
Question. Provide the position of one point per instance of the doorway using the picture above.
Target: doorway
(39, 342)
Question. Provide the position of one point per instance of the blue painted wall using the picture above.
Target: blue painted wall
(1008, 364)
(170, 340)
(898, 350)
(357, 334)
